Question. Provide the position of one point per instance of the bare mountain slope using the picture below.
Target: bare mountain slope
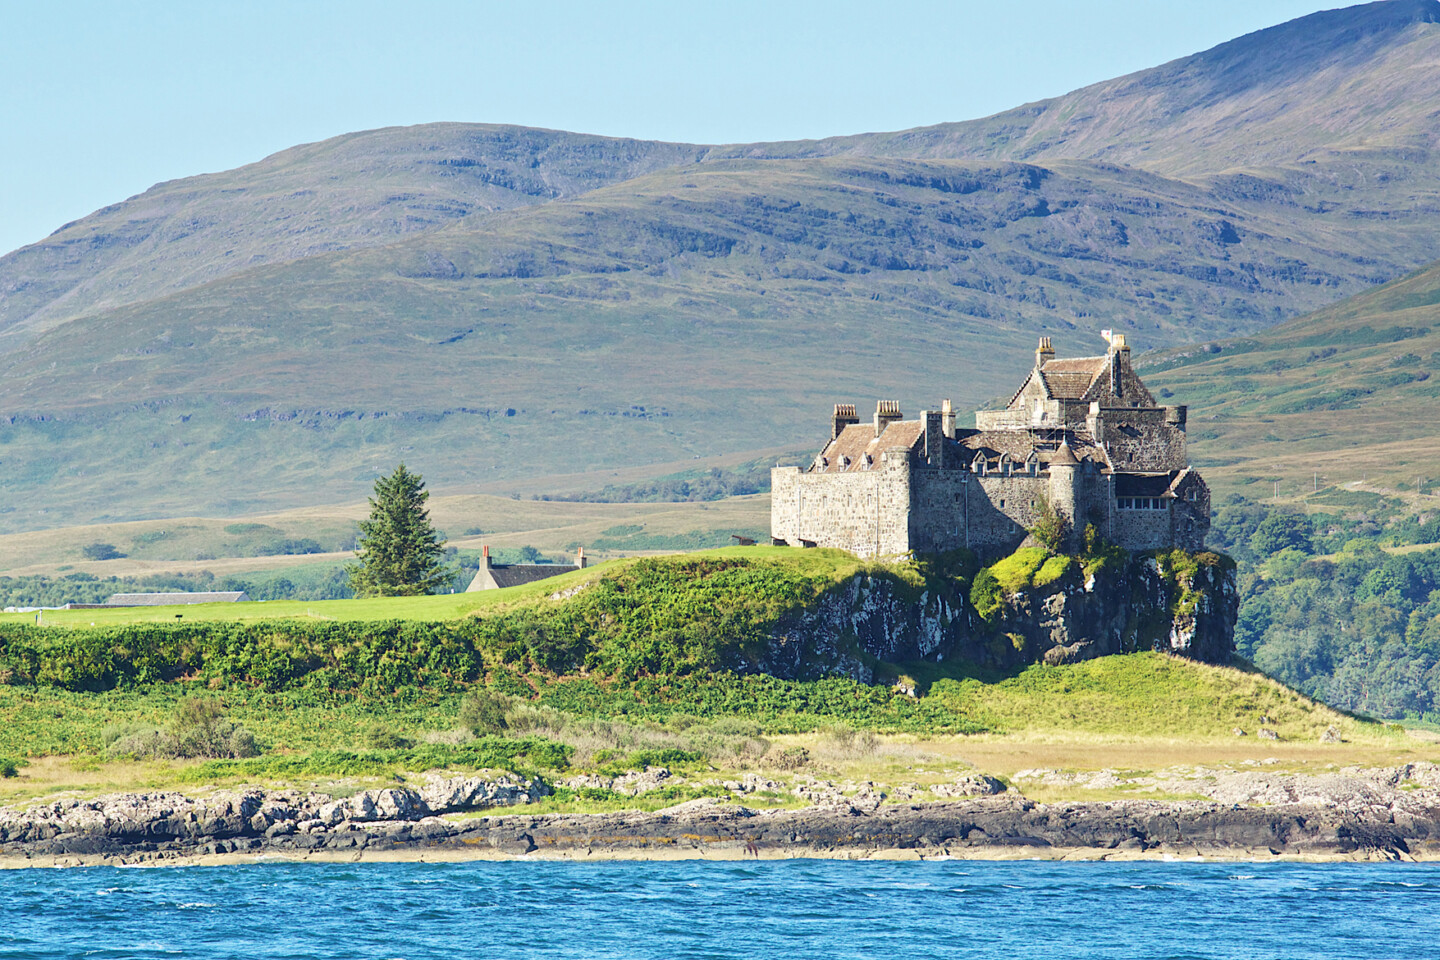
(360, 189)
(1354, 86)
(1339, 81)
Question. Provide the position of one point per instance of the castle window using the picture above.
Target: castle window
(1002, 504)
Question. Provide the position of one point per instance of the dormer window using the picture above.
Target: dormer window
(868, 462)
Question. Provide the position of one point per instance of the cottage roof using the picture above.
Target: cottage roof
(847, 452)
(173, 599)
(515, 574)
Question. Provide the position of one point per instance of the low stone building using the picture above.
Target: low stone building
(1082, 439)
(174, 599)
(496, 576)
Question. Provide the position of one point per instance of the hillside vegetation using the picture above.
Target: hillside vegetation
(636, 669)
(1343, 396)
(501, 305)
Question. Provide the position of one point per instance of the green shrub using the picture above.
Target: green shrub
(483, 712)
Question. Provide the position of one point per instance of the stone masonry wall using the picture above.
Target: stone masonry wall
(866, 512)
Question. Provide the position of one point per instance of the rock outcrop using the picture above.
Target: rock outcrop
(1140, 604)
(1382, 821)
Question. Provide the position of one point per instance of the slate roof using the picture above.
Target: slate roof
(515, 574)
(858, 440)
(174, 599)
(1144, 484)
(992, 444)
(1070, 379)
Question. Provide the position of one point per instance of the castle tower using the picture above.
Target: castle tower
(1064, 489)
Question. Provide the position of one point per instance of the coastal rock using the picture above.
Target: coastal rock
(969, 785)
(451, 794)
(1141, 605)
(631, 784)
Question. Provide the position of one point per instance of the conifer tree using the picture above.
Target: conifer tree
(399, 549)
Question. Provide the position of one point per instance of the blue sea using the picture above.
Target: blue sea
(819, 909)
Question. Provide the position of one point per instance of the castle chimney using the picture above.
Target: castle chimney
(485, 556)
(1175, 416)
(947, 419)
(886, 413)
(844, 417)
(580, 558)
(931, 421)
(1044, 353)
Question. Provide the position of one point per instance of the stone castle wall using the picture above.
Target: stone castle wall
(866, 513)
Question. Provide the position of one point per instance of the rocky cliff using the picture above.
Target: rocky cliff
(1029, 608)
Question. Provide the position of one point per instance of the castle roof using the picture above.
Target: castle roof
(848, 451)
(1020, 444)
(1063, 456)
(1071, 378)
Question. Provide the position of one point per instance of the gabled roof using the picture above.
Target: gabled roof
(173, 599)
(515, 574)
(1071, 378)
(858, 440)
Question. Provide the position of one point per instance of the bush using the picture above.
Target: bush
(9, 768)
(199, 728)
(100, 551)
(483, 712)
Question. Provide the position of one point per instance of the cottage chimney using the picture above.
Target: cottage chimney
(1044, 353)
(844, 417)
(580, 558)
(886, 413)
(485, 557)
(947, 419)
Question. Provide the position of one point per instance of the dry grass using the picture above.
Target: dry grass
(550, 526)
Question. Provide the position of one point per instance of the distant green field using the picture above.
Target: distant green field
(448, 606)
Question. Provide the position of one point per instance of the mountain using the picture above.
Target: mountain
(498, 305)
(1328, 85)
(1347, 395)
(357, 190)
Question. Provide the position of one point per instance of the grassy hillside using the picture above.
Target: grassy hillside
(256, 542)
(355, 190)
(504, 306)
(631, 671)
(680, 315)
(1344, 397)
(1353, 81)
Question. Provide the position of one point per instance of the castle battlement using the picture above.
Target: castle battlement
(1082, 438)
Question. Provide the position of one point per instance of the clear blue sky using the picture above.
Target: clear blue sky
(99, 100)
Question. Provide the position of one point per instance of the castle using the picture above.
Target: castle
(1082, 440)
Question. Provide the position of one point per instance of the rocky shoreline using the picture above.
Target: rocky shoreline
(1390, 814)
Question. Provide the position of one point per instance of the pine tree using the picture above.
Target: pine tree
(399, 549)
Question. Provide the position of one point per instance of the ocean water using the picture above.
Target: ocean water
(809, 909)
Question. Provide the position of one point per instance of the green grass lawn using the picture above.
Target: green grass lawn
(449, 606)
